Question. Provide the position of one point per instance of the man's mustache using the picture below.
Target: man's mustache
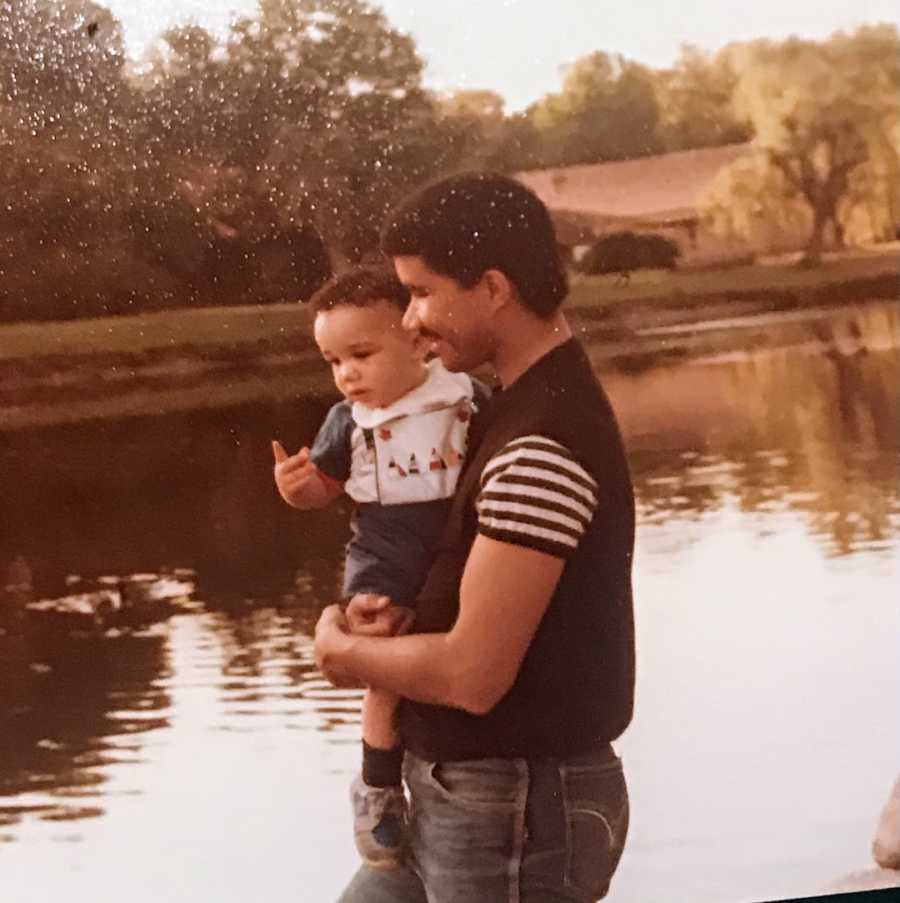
(428, 333)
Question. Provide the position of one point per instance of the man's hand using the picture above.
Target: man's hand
(331, 640)
(504, 594)
(297, 478)
(371, 615)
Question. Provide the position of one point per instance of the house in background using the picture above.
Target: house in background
(658, 195)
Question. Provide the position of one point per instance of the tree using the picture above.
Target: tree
(472, 128)
(606, 110)
(63, 155)
(825, 118)
(212, 172)
(522, 145)
(61, 68)
(750, 198)
(225, 243)
(695, 99)
(318, 102)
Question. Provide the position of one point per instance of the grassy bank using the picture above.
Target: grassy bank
(693, 289)
(201, 329)
(278, 326)
(215, 357)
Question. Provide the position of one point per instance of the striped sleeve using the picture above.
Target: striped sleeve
(535, 494)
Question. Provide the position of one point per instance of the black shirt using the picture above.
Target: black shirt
(575, 687)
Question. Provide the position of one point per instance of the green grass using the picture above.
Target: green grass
(645, 285)
(232, 326)
(211, 327)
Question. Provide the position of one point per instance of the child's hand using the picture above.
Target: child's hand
(371, 615)
(295, 475)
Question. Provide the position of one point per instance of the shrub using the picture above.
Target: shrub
(622, 251)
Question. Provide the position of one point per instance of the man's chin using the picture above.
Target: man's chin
(451, 363)
(447, 356)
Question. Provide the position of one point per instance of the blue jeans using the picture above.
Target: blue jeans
(507, 831)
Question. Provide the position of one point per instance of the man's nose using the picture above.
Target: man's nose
(411, 320)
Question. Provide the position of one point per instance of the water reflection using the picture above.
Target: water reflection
(812, 425)
(155, 493)
(71, 716)
(769, 544)
(849, 498)
(260, 672)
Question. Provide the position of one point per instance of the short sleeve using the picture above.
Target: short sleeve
(534, 493)
(330, 450)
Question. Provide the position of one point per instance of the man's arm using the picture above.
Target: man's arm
(505, 591)
(535, 503)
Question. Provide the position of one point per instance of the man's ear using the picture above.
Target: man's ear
(498, 289)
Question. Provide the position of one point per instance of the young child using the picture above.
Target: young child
(395, 445)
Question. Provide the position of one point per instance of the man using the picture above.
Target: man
(521, 669)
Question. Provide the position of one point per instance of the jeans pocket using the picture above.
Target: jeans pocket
(596, 808)
(488, 785)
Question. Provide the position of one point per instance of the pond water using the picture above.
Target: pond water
(204, 758)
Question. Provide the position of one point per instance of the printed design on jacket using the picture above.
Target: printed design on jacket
(413, 450)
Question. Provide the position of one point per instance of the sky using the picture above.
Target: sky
(518, 47)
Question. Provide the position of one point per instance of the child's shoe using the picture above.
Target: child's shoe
(379, 823)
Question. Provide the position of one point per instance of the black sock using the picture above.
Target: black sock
(381, 767)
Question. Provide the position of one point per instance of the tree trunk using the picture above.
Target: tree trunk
(823, 197)
(840, 239)
(812, 257)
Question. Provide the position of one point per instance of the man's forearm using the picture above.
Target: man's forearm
(504, 593)
(421, 667)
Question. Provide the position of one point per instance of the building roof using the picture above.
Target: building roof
(664, 188)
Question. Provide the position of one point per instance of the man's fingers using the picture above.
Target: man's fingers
(278, 450)
(331, 625)
(332, 616)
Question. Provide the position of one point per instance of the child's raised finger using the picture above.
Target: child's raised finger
(291, 464)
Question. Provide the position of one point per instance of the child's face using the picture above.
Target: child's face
(374, 360)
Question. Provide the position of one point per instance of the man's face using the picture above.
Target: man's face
(374, 360)
(452, 319)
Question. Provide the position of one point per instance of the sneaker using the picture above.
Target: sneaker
(379, 821)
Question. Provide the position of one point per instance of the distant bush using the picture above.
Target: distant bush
(154, 264)
(623, 251)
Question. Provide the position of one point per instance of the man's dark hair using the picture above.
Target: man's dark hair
(464, 225)
(362, 286)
